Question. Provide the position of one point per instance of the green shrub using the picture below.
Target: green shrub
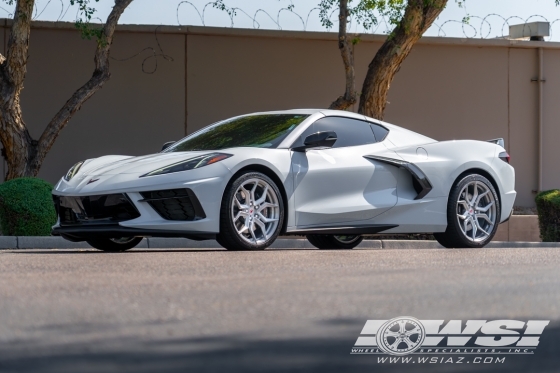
(548, 208)
(26, 207)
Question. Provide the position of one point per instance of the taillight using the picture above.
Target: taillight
(504, 156)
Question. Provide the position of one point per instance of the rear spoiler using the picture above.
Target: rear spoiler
(499, 141)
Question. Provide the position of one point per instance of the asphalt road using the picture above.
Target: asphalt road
(277, 310)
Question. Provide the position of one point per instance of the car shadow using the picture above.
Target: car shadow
(242, 353)
(145, 251)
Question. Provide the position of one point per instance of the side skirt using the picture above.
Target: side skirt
(372, 229)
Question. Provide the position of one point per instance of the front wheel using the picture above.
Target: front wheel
(115, 244)
(252, 213)
(473, 214)
(332, 242)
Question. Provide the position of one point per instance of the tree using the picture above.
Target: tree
(347, 53)
(25, 155)
(411, 19)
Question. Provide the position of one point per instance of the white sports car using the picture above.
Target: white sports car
(332, 176)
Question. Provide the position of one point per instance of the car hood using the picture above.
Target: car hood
(115, 165)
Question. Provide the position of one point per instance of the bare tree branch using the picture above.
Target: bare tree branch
(418, 17)
(346, 51)
(100, 75)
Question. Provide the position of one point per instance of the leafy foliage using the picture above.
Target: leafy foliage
(365, 12)
(368, 13)
(26, 207)
(83, 21)
(548, 208)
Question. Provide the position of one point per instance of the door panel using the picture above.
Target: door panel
(338, 185)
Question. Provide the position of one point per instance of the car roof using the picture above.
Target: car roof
(325, 112)
(291, 111)
(399, 136)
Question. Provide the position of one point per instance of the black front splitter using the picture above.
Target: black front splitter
(84, 232)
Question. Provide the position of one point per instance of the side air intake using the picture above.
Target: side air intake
(420, 181)
(175, 204)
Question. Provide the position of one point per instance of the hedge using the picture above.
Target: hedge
(548, 208)
(26, 207)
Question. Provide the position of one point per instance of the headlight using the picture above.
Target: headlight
(73, 171)
(190, 164)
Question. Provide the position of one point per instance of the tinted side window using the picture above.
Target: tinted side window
(350, 132)
(380, 132)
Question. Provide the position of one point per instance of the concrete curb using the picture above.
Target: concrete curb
(26, 243)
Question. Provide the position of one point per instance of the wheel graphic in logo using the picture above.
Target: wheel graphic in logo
(401, 336)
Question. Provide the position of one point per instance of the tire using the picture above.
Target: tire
(331, 242)
(219, 241)
(115, 245)
(249, 219)
(464, 208)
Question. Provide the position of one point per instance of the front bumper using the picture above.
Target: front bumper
(100, 216)
(156, 217)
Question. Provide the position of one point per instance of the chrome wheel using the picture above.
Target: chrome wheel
(347, 239)
(476, 211)
(255, 211)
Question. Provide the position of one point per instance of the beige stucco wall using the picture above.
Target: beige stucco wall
(551, 132)
(228, 75)
(447, 89)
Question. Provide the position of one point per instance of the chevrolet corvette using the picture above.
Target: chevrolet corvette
(332, 176)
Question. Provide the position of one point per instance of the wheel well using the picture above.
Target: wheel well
(271, 174)
(482, 173)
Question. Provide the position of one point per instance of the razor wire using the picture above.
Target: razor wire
(471, 26)
(492, 25)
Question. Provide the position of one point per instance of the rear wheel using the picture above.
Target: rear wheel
(473, 214)
(115, 244)
(252, 213)
(331, 242)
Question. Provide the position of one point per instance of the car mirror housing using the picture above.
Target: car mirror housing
(167, 145)
(317, 140)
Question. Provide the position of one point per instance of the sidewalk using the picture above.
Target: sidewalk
(47, 242)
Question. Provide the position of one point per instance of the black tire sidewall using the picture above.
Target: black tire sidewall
(106, 244)
(329, 242)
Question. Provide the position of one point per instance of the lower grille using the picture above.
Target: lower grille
(103, 209)
(175, 204)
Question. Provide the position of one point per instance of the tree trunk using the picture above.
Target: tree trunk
(24, 155)
(346, 51)
(418, 17)
(19, 147)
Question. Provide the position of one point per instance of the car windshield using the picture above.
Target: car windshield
(260, 131)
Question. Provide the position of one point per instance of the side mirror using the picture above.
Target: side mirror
(320, 139)
(167, 145)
